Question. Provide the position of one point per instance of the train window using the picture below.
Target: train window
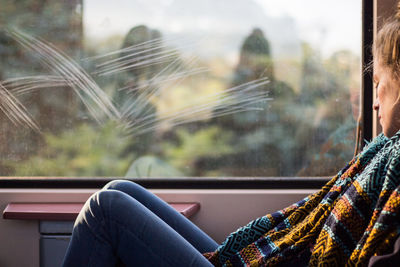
(178, 88)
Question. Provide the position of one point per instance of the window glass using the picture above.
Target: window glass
(178, 88)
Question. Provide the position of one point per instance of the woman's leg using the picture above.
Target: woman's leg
(114, 225)
(194, 235)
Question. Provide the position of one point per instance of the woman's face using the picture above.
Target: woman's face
(387, 100)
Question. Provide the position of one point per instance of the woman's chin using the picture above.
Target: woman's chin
(390, 132)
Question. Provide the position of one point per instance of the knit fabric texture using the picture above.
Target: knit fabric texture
(352, 218)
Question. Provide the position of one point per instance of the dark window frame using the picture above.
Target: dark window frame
(366, 76)
(170, 183)
(230, 182)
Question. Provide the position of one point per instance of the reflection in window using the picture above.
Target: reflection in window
(189, 88)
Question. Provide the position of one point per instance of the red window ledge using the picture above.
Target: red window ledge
(69, 211)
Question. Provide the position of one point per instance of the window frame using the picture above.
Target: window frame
(169, 183)
(366, 124)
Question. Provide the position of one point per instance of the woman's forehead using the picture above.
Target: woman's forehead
(377, 63)
(380, 68)
(377, 69)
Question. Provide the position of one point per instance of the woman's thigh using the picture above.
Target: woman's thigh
(194, 235)
(115, 225)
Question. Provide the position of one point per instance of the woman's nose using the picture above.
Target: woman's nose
(376, 104)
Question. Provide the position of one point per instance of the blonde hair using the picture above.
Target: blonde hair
(386, 49)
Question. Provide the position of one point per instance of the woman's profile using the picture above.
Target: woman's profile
(352, 220)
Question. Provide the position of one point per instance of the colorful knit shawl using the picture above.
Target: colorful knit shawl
(353, 217)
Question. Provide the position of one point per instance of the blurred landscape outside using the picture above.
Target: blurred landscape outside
(179, 88)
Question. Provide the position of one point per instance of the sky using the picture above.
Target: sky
(336, 17)
(329, 24)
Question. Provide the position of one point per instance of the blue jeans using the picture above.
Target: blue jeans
(125, 223)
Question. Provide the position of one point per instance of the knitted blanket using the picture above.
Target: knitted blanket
(353, 217)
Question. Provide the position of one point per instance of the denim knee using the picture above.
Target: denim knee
(99, 205)
(99, 215)
(113, 184)
(125, 186)
(106, 200)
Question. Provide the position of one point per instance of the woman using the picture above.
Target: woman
(350, 221)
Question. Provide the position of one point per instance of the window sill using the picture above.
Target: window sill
(69, 211)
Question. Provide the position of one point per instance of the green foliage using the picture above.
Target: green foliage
(255, 59)
(84, 151)
(256, 43)
(212, 142)
(151, 166)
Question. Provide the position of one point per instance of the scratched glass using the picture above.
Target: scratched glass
(178, 88)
